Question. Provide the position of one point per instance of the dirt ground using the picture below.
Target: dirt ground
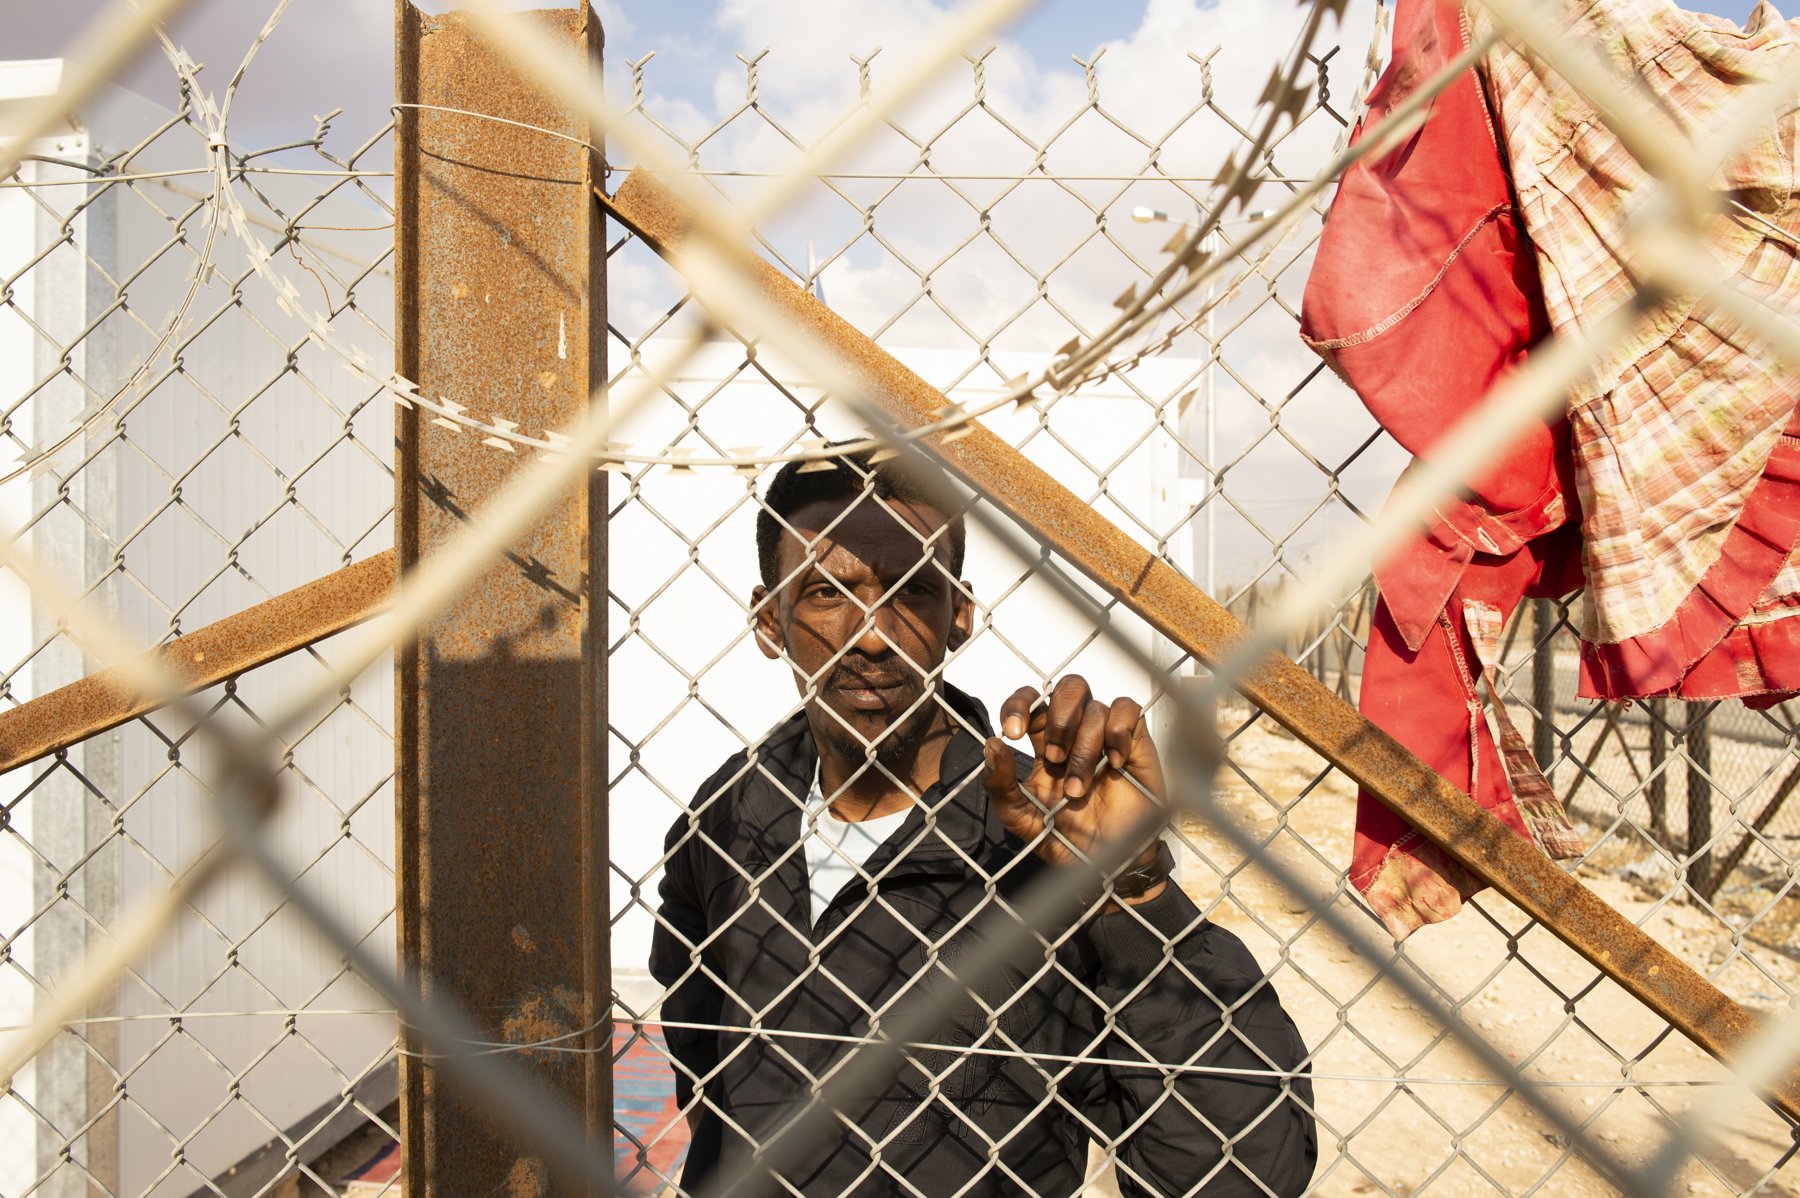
(1404, 1108)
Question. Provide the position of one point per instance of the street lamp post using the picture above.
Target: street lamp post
(1209, 383)
(1167, 495)
(1209, 397)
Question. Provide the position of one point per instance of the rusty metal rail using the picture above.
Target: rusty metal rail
(500, 701)
(1181, 611)
(222, 650)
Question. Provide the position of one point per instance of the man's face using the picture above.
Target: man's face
(867, 621)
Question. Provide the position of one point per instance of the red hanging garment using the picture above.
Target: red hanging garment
(1421, 296)
(1680, 459)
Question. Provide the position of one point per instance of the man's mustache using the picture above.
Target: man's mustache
(856, 672)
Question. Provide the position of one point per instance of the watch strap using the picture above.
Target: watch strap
(1134, 882)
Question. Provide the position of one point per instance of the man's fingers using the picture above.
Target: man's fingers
(1067, 708)
(1015, 713)
(1001, 777)
(1085, 749)
(1122, 721)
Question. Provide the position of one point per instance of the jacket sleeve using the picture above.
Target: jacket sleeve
(690, 996)
(1178, 991)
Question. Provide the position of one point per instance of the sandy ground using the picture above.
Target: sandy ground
(1398, 1111)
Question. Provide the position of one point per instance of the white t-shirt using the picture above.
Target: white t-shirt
(836, 850)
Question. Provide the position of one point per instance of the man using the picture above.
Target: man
(846, 861)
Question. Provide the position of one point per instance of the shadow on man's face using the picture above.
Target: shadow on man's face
(866, 623)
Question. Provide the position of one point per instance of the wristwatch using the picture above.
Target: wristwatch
(1133, 882)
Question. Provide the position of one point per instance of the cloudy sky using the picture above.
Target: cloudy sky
(337, 52)
(948, 266)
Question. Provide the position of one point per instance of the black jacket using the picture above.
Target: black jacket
(735, 948)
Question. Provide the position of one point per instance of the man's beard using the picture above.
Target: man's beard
(892, 745)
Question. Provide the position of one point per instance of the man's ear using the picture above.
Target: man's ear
(962, 615)
(768, 623)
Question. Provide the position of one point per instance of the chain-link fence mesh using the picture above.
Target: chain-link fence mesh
(212, 450)
(204, 455)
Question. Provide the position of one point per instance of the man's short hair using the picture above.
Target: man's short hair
(851, 475)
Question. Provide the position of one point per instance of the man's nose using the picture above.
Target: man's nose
(875, 633)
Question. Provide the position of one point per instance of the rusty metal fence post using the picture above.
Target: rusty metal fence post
(1658, 790)
(1543, 682)
(1699, 803)
(500, 720)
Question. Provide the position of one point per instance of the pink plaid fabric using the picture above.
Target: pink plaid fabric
(1673, 431)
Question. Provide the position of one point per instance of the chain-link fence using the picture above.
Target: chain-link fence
(216, 443)
(193, 453)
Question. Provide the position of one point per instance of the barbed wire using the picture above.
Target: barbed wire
(560, 1043)
(1079, 364)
